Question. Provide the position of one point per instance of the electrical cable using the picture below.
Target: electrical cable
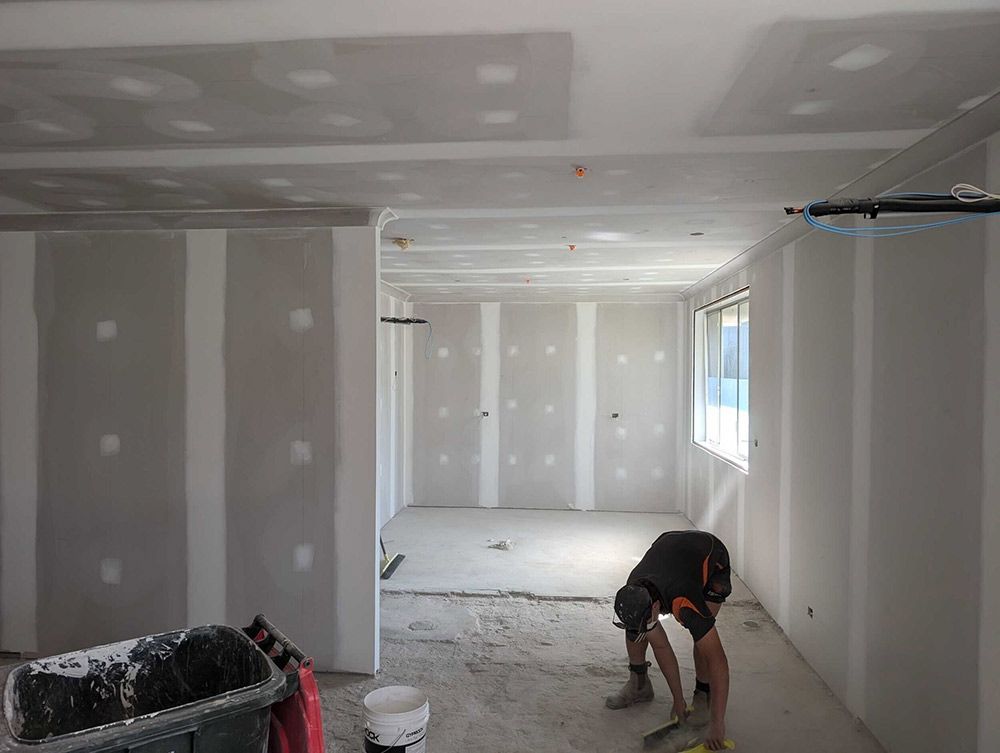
(413, 320)
(964, 198)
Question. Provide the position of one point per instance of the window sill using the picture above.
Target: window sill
(736, 462)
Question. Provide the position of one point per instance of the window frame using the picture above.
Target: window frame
(699, 405)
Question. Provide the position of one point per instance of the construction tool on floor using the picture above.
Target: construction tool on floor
(389, 563)
(655, 735)
(730, 745)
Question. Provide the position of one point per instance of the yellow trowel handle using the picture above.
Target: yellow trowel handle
(730, 745)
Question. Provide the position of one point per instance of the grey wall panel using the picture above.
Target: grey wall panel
(446, 406)
(537, 405)
(821, 455)
(637, 376)
(924, 563)
(280, 449)
(111, 525)
(762, 485)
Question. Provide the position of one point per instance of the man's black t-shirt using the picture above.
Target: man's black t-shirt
(686, 569)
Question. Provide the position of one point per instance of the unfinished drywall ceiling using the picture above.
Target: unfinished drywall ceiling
(471, 125)
(310, 91)
(875, 73)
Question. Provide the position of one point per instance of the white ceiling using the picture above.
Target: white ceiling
(696, 122)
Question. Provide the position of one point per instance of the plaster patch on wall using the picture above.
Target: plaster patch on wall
(110, 445)
(107, 330)
(622, 359)
(659, 356)
(550, 350)
(111, 571)
(512, 404)
(550, 409)
(621, 474)
(512, 460)
(442, 459)
(513, 351)
(300, 320)
(301, 453)
(443, 352)
(302, 558)
(443, 412)
(550, 460)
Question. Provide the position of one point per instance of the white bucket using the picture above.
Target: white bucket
(395, 720)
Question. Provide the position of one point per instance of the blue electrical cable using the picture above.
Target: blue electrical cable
(890, 231)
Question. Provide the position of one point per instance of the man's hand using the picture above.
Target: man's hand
(680, 710)
(715, 738)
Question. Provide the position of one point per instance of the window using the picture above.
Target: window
(722, 378)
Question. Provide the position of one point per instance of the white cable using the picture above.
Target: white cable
(971, 194)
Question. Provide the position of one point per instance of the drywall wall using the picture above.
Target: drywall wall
(537, 406)
(18, 442)
(111, 481)
(392, 414)
(637, 412)
(550, 376)
(201, 407)
(446, 412)
(280, 404)
(989, 612)
(865, 493)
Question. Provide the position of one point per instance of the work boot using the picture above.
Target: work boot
(701, 714)
(638, 689)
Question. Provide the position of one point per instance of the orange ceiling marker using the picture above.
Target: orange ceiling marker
(572, 247)
(580, 171)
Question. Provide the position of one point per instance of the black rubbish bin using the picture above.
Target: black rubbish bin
(204, 690)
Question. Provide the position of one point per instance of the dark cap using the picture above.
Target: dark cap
(632, 606)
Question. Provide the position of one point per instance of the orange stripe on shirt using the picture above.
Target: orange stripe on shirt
(678, 604)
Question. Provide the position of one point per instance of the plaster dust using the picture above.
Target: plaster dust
(511, 674)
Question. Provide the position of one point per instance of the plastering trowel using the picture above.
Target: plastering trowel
(657, 734)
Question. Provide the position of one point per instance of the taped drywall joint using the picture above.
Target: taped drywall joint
(489, 404)
(586, 405)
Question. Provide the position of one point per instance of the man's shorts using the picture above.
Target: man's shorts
(718, 583)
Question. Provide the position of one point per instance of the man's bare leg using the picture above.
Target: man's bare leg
(638, 689)
(700, 702)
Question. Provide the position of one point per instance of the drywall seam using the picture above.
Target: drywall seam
(18, 443)
(489, 402)
(785, 483)
(408, 409)
(684, 383)
(586, 404)
(857, 585)
(204, 333)
(989, 611)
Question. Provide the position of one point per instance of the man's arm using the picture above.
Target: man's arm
(667, 662)
(710, 646)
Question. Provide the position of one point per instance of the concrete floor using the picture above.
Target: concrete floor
(509, 672)
(556, 552)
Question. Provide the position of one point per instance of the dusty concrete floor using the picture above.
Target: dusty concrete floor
(513, 674)
(516, 650)
(556, 552)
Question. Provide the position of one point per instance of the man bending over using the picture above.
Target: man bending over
(686, 574)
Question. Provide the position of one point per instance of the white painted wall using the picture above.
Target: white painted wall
(871, 495)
